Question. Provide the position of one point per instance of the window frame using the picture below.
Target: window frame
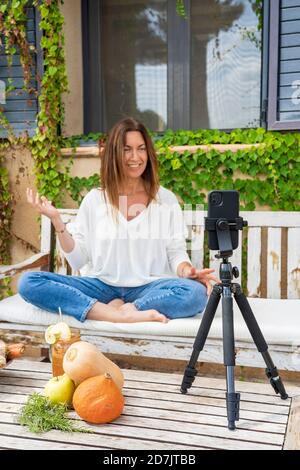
(273, 123)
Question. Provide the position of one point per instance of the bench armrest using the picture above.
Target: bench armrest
(36, 261)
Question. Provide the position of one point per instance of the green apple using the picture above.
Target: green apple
(60, 389)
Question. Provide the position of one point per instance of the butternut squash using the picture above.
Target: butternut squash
(84, 360)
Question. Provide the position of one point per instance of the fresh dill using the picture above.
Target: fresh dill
(40, 415)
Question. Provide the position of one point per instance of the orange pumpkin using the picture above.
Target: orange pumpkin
(98, 399)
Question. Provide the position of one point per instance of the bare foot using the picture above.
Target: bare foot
(116, 303)
(126, 313)
(132, 315)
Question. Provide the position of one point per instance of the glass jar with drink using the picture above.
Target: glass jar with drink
(59, 336)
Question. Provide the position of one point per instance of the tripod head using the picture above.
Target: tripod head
(222, 227)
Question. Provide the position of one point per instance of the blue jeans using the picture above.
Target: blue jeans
(75, 295)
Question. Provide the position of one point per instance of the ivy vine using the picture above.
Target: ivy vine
(266, 175)
(45, 145)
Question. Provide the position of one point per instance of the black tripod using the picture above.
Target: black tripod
(226, 289)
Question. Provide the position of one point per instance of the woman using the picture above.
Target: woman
(128, 238)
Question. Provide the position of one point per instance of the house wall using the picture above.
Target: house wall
(25, 226)
(71, 10)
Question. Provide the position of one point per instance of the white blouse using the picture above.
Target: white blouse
(128, 253)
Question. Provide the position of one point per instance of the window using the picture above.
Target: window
(134, 61)
(225, 65)
(20, 108)
(283, 72)
(141, 59)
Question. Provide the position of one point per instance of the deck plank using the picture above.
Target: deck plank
(140, 398)
(143, 392)
(148, 420)
(157, 415)
(292, 441)
(132, 384)
(116, 435)
(167, 378)
(177, 415)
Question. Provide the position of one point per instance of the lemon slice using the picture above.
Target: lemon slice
(49, 337)
(56, 332)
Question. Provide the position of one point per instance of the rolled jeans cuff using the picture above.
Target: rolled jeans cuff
(87, 309)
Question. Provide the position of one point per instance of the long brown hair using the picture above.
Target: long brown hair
(113, 174)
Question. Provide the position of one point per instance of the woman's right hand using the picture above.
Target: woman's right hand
(42, 205)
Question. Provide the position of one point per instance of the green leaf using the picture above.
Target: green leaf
(52, 70)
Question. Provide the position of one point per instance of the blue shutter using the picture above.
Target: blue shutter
(284, 65)
(20, 107)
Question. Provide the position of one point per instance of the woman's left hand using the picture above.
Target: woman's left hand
(204, 276)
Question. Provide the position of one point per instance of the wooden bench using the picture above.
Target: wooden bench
(269, 260)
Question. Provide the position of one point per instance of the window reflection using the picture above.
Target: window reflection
(134, 61)
(225, 64)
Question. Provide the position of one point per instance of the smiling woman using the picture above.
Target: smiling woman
(129, 237)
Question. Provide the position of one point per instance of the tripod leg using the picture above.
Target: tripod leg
(208, 316)
(259, 340)
(232, 398)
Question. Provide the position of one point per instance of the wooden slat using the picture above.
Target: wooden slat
(274, 263)
(293, 263)
(288, 105)
(20, 105)
(140, 392)
(35, 261)
(139, 437)
(19, 82)
(290, 3)
(150, 421)
(289, 116)
(19, 443)
(207, 382)
(20, 94)
(236, 258)
(171, 405)
(20, 116)
(290, 40)
(288, 27)
(292, 441)
(287, 66)
(288, 79)
(287, 92)
(45, 234)
(114, 439)
(253, 261)
(200, 392)
(173, 415)
(61, 262)
(290, 14)
(15, 71)
(197, 244)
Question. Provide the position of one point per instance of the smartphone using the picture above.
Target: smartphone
(225, 205)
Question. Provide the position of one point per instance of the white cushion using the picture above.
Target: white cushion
(279, 321)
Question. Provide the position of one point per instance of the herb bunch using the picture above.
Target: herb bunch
(40, 415)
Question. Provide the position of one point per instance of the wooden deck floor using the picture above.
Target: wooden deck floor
(157, 416)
